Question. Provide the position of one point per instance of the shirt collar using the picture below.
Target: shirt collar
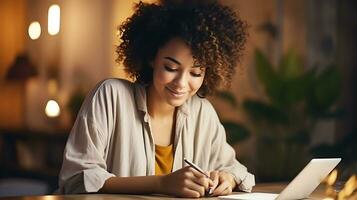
(140, 99)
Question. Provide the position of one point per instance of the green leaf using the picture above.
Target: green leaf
(289, 83)
(290, 65)
(264, 70)
(295, 89)
(326, 90)
(228, 97)
(235, 132)
(271, 82)
(299, 137)
(264, 112)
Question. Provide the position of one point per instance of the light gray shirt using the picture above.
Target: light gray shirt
(112, 137)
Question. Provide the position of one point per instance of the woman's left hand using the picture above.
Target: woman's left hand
(224, 183)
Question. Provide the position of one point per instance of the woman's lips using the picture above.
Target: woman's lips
(176, 93)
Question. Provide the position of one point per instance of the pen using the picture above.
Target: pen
(210, 191)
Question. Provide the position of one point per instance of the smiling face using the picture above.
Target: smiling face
(175, 77)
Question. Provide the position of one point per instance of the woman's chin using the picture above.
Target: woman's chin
(175, 102)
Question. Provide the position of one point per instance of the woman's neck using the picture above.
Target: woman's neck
(157, 106)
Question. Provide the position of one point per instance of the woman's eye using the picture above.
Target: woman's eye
(169, 69)
(196, 74)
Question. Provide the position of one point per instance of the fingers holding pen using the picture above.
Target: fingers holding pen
(196, 181)
(201, 179)
(214, 175)
(183, 183)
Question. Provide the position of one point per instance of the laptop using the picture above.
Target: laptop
(302, 185)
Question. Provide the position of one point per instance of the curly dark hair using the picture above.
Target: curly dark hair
(215, 34)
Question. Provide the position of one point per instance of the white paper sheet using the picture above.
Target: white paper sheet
(251, 196)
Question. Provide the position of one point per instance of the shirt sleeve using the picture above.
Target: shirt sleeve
(84, 167)
(223, 157)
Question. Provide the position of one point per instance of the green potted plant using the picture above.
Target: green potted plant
(295, 100)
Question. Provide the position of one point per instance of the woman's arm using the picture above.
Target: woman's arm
(185, 182)
(132, 185)
(223, 156)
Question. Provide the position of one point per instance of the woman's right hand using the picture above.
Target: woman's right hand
(185, 182)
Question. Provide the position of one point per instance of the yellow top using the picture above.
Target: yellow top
(163, 159)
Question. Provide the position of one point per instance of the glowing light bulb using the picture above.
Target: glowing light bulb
(52, 109)
(34, 30)
(54, 18)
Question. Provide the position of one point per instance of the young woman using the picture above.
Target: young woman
(133, 137)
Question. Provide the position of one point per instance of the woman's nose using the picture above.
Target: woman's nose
(181, 80)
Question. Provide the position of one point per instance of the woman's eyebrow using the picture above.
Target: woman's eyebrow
(197, 66)
(177, 62)
(173, 60)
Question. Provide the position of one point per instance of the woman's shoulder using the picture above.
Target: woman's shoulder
(109, 92)
(201, 106)
(112, 89)
(114, 86)
(115, 83)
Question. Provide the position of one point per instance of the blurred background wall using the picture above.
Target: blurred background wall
(65, 66)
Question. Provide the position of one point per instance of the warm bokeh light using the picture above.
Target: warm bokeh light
(52, 109)
(34, 30)
(54, 18)
(52, 87)
(49, 197)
